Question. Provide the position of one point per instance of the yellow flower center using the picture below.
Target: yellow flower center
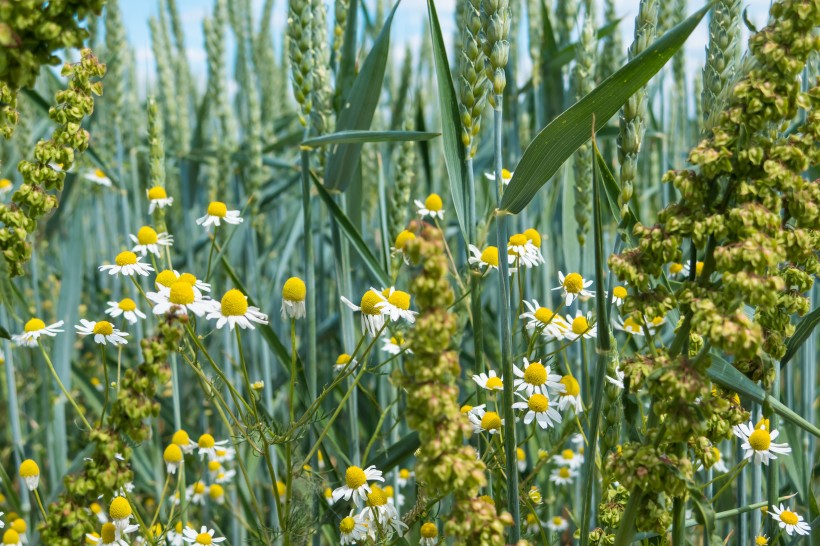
(369, 301)
(34, 325)
(126, 258)
(716, 453)
(199, 488)
(218, 209)
(294, 289)
(491, 421)
(466, 408)
(213, 466)
(531, 519)
(187, 277)
(147, 236)
(698, 268)
(535, 374)
(657, 321)
(573, 283)
(157, 192)
(760, 440)
(166, 278)
(433, 202)
(216, 491)
(520, 455)
(580, 325)
(632, 326)
(5, 183)
(429, 530)
(11, 537)
(206, 441)
(19, 525)
(95, 508)
(495, 382)
(619, 292)
(234, 303)
(103, 328)
(204, 538)
(127, 304)
(328, 493)
(400, 299)
(343, 359)
(92, 538)
(355, 477)
(182, 293)
(347, 525)
(557, 520)
(376, 497)
(788, 517)
(538, 403)
(180, 438)
(571, 386)
(281, 488)
(519, 239)
(533, 236)
(761, 541)
(675, 268)
(388, 490)
(119, 509)
(568, 454)
(544, 315)
(108, 533)
(172, 454)
(490, 256)
(564, 472)
(403, 238)
(404, 474)
(29, 469)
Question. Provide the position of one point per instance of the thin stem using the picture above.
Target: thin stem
(40, 505)
(211, 254)
(245, 374)
(106, 386)
(62, 387)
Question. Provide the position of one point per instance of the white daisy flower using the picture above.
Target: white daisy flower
(720, 464)
(570, 458)
(485, 421)
(158, 199)
(487, 258)
(618, 380)
(208, 445)
(180, 298)
(372, 313)
(120, 513)
(757, 442)
(103, 332)
(506, 176)
(234, 310)
(562, 475)
(538, 408)
(557, 524)
(432, 207)
(148, 240)
(429, 534)
(392, 497)
(32, 331)
(542, 319)
(405, 475)
(628, 325)
(224, 453)
(197, 492)
(400, 243)
(294, 293)
(98, 177)
(619, 295)
(379, 513)
(395, 345)
(218, 212)
(356, 486)
(342, 362)
(5, 186)
(225, 477)
(204, 536)
(184, 441)
(573, 286)
(397, 306)
(790, 521)
(125, 307)
(523, 251)
(173, 458)
(109, 535)
(127, 263)
(533, 524)
(535, 377)
(570, 397)
(490, 382)
(98, 512)
(580, 327)
(352, 529)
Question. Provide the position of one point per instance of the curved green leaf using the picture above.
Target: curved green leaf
(801, 334)
(354, 137)
(559, 140)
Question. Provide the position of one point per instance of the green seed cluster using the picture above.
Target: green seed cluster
(495, 29)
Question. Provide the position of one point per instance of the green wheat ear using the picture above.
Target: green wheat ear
(583, 78)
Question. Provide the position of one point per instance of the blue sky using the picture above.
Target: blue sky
(411, 14)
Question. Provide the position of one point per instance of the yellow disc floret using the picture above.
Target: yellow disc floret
(182, 293)
(573, 283)
(760, 440)
(103, 328)
(343, 359)
(294, 289)
(11, 537)
(519, 239)
(544, 315)
(533, 236)
(234, 303)
(281, 488)
(400, 299)
(19, 525)
(216, 491)
(181, 438)
(369, 301)
(491, 421)
(127, 304)
(347, 525)
(187, 277)
(29, 469)
(206, 441)
(568, 455)
(433, 202)
(34, 325)
(535, 374)
(788, 517)
(429, 530)
(172, 454)
(580, 325)
(204, 538)
(376, 497)
(564, 472)
(166, 278)
(619, 292)
(571, 386)
(495, 382)
(119, 509)
(538, 403)
(126, 258)
(157, 192)
(218, 209)
(490, 256)
(403, 238)
(675, 268)
(355, 477)
(147, 236)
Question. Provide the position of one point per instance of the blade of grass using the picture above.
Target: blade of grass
(354, 137)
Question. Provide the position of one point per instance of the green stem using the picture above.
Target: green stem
(106, 386)
(245, 374)
(62, 387)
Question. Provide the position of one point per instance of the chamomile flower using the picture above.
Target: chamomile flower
(224, 454)
(158, 199)
(103, 332)
(5, 186)
(757, 442)
(521, 459)
(30, 473)
(392, 497)
(533, 524)
(619, 295)
(573, 286)
(173, 458)
(789, 521)
(356, 486)
(562, 475)
(524, 253)
(170, 277)
(405, 475)
(395, 345)
(328, 493)
(216, 493)
(397, 305)
(534, 377)
(20, 526)
(32, 331)
(352, 529)
(234, 310)
(687, 267)
(429, 534)
(761, 540)
(557, 524)
(125, 307)
(98, 177)
(490, 382)
(379, 512)
(120, 513)
(485, 421)
(225, 477)
(401, 242)
(372, 313)
(432, 207)
(11, 538)
(204, 537)
(506, 176)
(580, 327)
(197, 492)
(676, 268)
(618, 380)
(342, 362)
(628, 325)
(148, 240)
(183, 440)
(487, 258)
(109, 536)
(218, 212)
(294, 293)
(540, 409)
(570, 458)
(719, 465)
(98, 512)
(535, 494)
(127, 263)
(542, 319)
(178, 300)
(208, 445)
(570, 397)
